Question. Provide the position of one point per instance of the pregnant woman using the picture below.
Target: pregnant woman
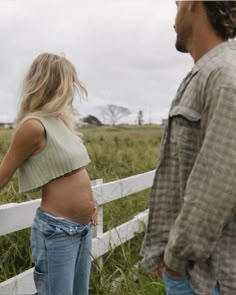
(51, 157)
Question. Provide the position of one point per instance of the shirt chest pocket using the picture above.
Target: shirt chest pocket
(185, 129)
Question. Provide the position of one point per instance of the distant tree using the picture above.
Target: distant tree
(140, 118)
(92, 120)
(114, 113)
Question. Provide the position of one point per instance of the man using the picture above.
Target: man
(191, 232)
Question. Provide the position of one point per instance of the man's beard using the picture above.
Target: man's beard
(180, 46)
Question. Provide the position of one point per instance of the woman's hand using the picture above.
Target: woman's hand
(95, 214)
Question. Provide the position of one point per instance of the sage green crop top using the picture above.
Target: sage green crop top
(63, 153)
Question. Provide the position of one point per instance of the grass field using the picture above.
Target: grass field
(115, 153)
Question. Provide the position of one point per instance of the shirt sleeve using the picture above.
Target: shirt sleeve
(209, 200)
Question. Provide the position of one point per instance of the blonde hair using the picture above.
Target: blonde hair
(48, 89)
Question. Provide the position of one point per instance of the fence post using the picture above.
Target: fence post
(98, 230)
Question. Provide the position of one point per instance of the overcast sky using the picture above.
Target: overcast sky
(123, 50)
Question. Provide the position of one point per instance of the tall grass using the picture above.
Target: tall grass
(115, 153)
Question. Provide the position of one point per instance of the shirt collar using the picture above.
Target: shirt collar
(207, 57)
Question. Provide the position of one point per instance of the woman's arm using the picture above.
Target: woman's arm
(27, 141)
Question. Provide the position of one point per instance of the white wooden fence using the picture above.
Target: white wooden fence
(18, 216)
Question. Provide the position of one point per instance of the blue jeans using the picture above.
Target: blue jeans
(180, 286)
(61, 253)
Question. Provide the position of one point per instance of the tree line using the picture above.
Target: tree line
(111, 115)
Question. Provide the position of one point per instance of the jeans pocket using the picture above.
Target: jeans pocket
(40, 280)
(177, 285)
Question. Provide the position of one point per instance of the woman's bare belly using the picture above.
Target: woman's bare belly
(69, 197)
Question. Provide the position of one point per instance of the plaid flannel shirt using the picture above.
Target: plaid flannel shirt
(192, 218)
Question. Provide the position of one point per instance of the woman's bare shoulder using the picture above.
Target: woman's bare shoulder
(31, 128)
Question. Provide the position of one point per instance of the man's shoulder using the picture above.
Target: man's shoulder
(222, 72)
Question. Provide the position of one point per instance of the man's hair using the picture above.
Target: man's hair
(222, 16)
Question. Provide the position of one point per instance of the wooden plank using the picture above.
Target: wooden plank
(19, 285)
(15, 217)
(118, 235)
(24, 283)
(114, 190)
(18, 216)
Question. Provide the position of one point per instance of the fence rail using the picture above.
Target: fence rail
(18, 216)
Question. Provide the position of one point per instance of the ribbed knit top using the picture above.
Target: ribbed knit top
(63, 153)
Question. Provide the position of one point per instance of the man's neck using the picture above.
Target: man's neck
(202, 42)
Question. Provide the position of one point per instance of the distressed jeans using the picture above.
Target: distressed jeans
(180, 286)
(61, 253)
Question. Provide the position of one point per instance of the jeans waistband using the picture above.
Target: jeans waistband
(58, 220)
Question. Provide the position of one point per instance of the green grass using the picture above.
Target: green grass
(115, 152)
